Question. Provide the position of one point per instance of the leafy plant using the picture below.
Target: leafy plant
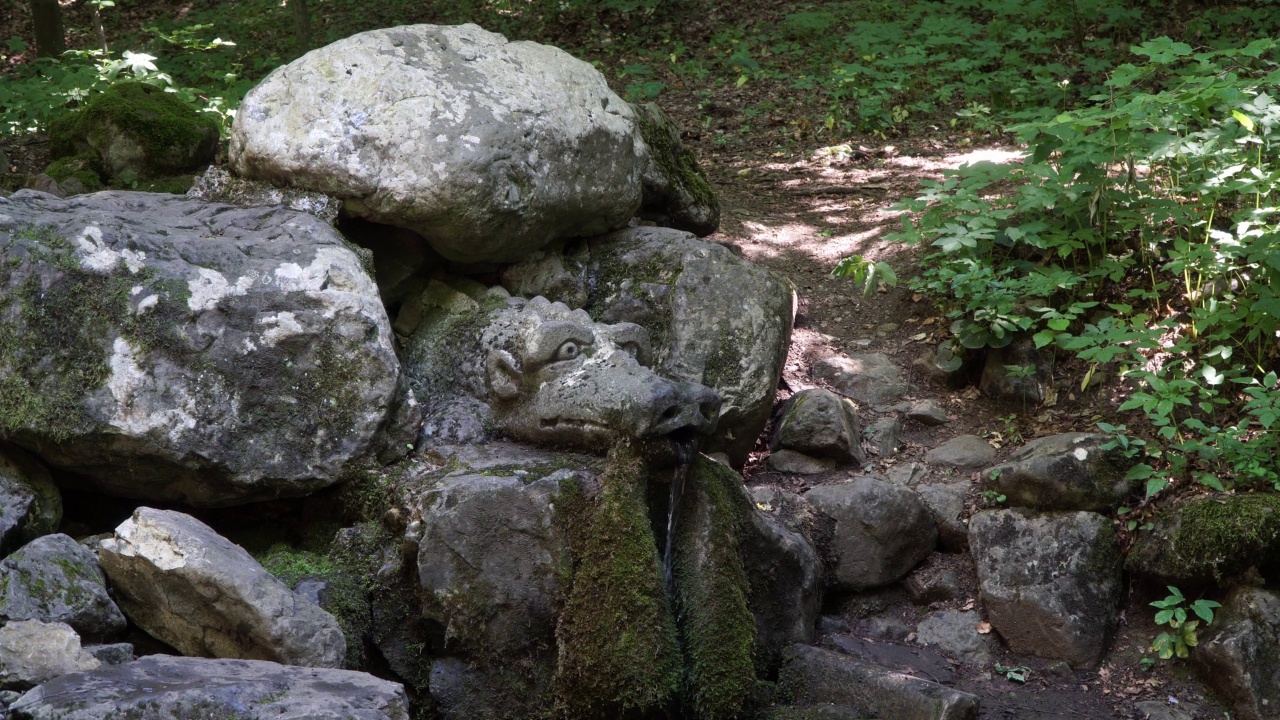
(867, 273)
(1018, 674)
(1181, 636)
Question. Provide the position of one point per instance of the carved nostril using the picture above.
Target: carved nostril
(671, 412)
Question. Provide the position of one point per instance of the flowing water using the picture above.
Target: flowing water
(686, 449)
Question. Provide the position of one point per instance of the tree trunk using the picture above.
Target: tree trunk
(301, 24)
(46, 19)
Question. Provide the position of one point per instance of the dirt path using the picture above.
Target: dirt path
(798, 216)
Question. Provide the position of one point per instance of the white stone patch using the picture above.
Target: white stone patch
(131, 388)
(135, 260)
(147, 303)
(96, 256)
(210, 286)
(134, 539)
(279, 326)
(1080, 454)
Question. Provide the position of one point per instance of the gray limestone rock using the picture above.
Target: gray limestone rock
(158, 687)
(933, 586)
(885, 435)
(869, 378)
(55, 579)
(186, 351)
(956, 634)
(32, 652)
(927, 412)
(714, 318)
(676, 192)
(1070, 471)
(881, 532)
(822, 678)
(946, 504)
(217, 184)
(966, 452)
(186, 585)
(112, 654)
(1051, 582)
(30, 504)
(818, 422)
(1239, 655)
(476, 143)
(797, 463)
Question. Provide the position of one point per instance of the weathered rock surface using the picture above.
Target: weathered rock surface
(790, 461)
(112, 654)
(138, 129)
(946, 504)
(676, 192)
(56, 579)
(691, 296)
(160, 686)
(176, 350)
(475, 143)
(998, 382)
(32, 652)
(1051, 583)
(1209, 538)
(818, 422)
(550, 374)
(186, 585)
(869, 378)
(881, 532)
(30, 504)
(821, 678)
(1069, 471)
(956, 634)
(927, 412)
(1239, 655)
(218, 185)
(966, 452)
(885, 435)
(934, 586)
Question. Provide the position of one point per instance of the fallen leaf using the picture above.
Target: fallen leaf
(984, 628)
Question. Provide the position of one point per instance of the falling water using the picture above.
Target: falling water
(685, 449)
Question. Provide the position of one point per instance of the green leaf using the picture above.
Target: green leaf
(1141, 471)
(1243, 119)
(1155, 485)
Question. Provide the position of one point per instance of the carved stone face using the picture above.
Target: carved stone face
(556, 376)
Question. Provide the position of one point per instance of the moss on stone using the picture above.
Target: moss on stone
(1211, 537)
(689, 189)
(165, 134)
(618, 651)
(716, 626)
(83, 167)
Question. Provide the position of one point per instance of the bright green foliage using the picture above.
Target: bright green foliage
(1181, 636)
(1140, 226)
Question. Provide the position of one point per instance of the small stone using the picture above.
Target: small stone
(113, 654)
(946, 504)
(888, 628)
(955, 633)
(927, 412)
(818, 422)
(886, 435)
(790, 461)
(46, 184)
(925, 585)
(32, 652)
(886, 329)
(907, 474)
(966, 452)
(1156, 710)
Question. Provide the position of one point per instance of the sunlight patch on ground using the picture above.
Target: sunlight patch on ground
(996, 155)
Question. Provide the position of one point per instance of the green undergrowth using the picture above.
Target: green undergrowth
(716, 627)
(1139, 235)
(619, 654)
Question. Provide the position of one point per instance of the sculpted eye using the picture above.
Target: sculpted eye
(568, 351)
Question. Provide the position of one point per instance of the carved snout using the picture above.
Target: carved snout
(683, 406)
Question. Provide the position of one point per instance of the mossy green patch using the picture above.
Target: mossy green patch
(82, 167)
(1211, 537)
(716, 626)
(619, 652)
(676, 162)
(138, 128)
(58, 322)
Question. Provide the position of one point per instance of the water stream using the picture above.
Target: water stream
(686, 449)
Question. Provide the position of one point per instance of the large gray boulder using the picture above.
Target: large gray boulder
(489, 149)
(56, 579)
(713, 318)
(1069, 471)
(168, 349)
(1239, 655)
(881, 530)
(186, 585)
(159, 687)
(820, 679)
(818, 422)
(32, 652)
(1051, 582)
(30, 504)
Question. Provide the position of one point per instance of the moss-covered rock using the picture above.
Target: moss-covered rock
(716, 627)
(676, 192)
(1209, 538)
(619, 652)
(81, 168)
(139, 129)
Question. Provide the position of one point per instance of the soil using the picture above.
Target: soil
(797, 207)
